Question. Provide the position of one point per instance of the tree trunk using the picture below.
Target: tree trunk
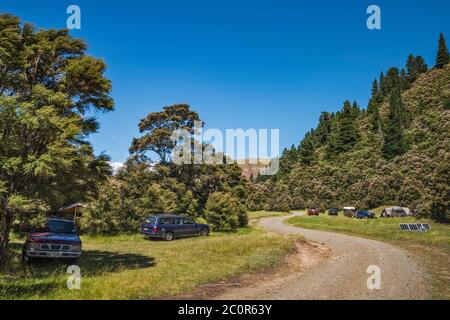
(5, 225)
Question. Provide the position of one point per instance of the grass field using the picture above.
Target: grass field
(432, 248)
(130, 267)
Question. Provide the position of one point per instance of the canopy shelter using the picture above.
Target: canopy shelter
(70, 212)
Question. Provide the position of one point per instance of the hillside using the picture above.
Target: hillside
(366, 159)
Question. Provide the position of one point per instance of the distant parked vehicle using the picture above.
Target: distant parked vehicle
(396, 212)
(333, 212)
(364, 214)
(314, 211)
(350, 212)
(169, 227)
(57, 240)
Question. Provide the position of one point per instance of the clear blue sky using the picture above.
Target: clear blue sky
(241, 64)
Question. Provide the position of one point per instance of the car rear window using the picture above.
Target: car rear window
(151, 220)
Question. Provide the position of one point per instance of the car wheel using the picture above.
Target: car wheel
(26, 259)
(204, 233)
(168, 236)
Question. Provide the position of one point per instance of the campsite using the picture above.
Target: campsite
(224, 151)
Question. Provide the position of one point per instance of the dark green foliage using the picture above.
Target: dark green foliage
(375, 118)
(415, 66)
(443, 56)
(347, 135)
(225, 212)
(394, 137)
(288, 159)
(307, 149)
(323, 131)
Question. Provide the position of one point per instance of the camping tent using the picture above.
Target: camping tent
(396, 212)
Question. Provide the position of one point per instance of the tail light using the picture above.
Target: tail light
(155, 229)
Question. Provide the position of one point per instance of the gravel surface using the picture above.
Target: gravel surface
(343, 275)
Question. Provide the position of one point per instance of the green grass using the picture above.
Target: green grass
(432, 248)
(130, 267)
(383, 229)
(265, 214)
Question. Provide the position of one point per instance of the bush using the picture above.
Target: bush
(225, 212)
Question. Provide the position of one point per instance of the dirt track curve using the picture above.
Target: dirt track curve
(343, 275)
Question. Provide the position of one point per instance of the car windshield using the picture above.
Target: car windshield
(59, 226)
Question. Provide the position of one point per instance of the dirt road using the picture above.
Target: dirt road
(343, 275)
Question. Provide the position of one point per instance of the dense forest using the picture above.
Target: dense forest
(395, 151)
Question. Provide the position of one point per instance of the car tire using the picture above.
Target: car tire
(26, 260)
(203, 233)
(168, 236)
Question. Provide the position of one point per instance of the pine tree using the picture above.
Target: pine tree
(307, 149)
(383, 85)
(347, 133)
(332, 146)
(443, 56)
(324, 128)
(375, 88)
(356, 110)
(374, 110)
(415, 66)
(394, 137)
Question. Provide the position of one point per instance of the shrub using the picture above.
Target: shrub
(225, 212)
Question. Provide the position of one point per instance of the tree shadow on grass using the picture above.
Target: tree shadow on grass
(94, 262)
(40, 278)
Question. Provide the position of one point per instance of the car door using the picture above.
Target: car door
(189, 227)
(178, 227)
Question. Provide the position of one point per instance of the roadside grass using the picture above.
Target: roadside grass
(265, 214)
(130, 267)
(432, 248)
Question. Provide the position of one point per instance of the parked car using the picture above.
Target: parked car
(314, 211)
(350, 212)
(364, 214)
(169, 227)
(333, 212)
(58, 239)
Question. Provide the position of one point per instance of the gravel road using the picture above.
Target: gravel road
(342, 276)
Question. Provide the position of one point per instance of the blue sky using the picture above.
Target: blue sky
(240, 64)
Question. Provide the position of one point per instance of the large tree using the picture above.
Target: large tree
(47, 85)
(158, 128)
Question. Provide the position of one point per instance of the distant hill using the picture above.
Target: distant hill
(253, 168)
(395, 151)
